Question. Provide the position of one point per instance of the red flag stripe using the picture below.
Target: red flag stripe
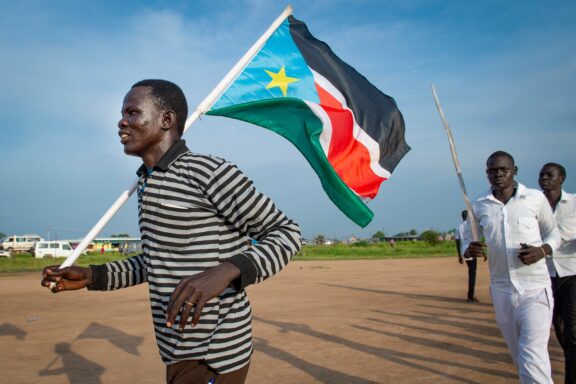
(358, 133)
(353, 154)
(353, 166)
(349, 158)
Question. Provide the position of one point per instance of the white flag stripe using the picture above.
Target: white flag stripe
(326, 135)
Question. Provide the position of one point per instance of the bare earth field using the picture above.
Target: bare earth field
(333, 322)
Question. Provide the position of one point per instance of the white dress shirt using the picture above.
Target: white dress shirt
(460, 229)
(526, 218)
(563, 262)
(459, 235)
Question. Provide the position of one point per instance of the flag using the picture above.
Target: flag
(351, 133)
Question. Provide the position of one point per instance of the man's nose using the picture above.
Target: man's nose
(122, 123)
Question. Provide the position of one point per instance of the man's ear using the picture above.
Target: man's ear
(515, 170)
(168, 120)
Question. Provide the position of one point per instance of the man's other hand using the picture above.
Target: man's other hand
(529, 254)
(193, 292)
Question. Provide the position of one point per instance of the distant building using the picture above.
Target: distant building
(112, 244)
(404, 237)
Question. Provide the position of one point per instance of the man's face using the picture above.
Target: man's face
(140, 128)
(501, 172)
(550, 179)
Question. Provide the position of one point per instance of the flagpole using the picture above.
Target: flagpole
(202, 108)
(473, 222)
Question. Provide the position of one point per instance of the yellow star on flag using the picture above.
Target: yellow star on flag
(280, 80)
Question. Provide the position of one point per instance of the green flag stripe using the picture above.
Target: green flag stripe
(294, 120)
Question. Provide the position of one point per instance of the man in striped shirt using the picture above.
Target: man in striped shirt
(196, 213)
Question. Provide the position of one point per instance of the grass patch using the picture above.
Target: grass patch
(27, 263)
(402, 250)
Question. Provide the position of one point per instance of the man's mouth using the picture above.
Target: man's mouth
(123, 137)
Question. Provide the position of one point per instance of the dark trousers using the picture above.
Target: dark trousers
(197, 372)
(471, 277)
(564, 320)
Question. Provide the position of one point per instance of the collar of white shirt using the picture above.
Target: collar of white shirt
(519, 193)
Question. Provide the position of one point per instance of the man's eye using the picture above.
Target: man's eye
(503, 170)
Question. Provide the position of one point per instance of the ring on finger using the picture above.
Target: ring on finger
(186, 302)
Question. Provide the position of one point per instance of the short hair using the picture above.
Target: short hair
(464, 214)
(500, 154)
(168, 96)
(559, 167)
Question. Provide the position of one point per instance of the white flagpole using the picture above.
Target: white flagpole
(202, 108)
(473, 222)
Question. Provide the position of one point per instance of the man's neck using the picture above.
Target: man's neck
(505, 194)
(553, 196)
(154, 154)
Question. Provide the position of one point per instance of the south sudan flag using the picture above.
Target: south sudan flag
(351, 133)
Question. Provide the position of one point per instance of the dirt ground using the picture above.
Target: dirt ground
(333, 322)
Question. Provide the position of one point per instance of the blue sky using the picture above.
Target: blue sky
(505, 72)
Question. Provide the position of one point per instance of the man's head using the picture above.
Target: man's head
(500, 169)
(169, 97)
(552, 177)
(153, 117)
(464, 214)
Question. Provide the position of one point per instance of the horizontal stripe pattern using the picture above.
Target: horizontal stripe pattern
(197, 213)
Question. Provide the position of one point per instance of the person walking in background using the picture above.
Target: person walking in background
(196, 215)
(562, 265)
(471, 263)
(519, 228)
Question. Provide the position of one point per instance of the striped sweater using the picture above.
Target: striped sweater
(196, 211)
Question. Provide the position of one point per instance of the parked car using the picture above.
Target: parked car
(20, 243)
(4, 253)
(52, 249)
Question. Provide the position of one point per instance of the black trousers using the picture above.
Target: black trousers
(471, 277)
(564, 320)
(197, 372)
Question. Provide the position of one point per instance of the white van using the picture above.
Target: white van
(52, 249)
(20, 243)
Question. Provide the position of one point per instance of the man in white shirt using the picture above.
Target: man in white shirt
(519, 228)
(471, 262)
(562, 266)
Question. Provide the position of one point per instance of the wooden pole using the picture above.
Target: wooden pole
(471, 216)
